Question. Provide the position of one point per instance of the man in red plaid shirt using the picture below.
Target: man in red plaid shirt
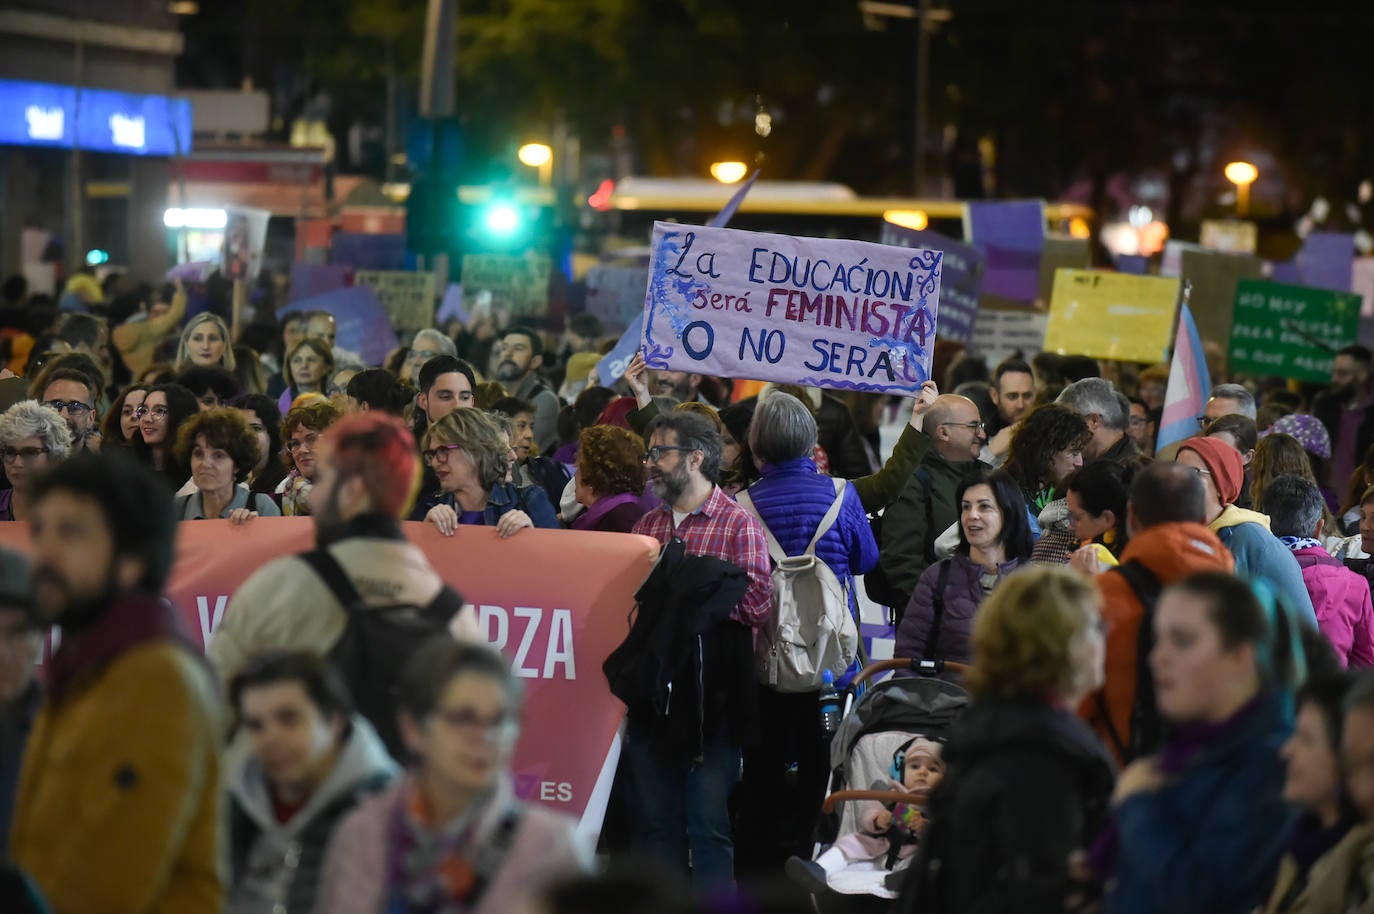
(679, 802)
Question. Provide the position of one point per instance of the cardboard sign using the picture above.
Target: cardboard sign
(616, 294)
(407, 297)
(1171, 264)
(1061, 253)
(507, 284)
(1111, 315)
(1000, 333)
(848, 315)
(245, 236)
(1213, 299)
(556, 628)
(961, 280)
(1291, 331)
(1230, 236)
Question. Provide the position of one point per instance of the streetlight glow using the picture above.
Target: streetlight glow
(913, 219)
(1241, 173)
(535, 155)
(728, 172)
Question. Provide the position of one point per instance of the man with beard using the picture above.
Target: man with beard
(1346, 412)
(522, 353)
(119, 797)
(364, 485)
(682, 792)
(682, 386)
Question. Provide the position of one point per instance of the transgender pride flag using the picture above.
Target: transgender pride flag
(1189, 385)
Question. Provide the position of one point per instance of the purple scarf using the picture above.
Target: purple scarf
(603, 506)
(132, 619)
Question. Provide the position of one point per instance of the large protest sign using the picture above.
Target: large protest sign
(849, 315)
(1171, 264)
(616, 293)
(1326, 261)
(1214, 277)
(961, 277)
(1061, 253)
(1011, 233)
(1000, 333)
(1111, 315)
(407, 297)
(556, 628)
(1291, 331)
(363, 326)
(507, 284)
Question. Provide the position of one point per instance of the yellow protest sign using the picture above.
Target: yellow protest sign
(1111, 315)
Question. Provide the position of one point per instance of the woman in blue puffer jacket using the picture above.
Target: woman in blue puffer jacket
(784, 776)
(994, 540)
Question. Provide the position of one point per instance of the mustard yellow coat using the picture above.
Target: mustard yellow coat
(118, 805)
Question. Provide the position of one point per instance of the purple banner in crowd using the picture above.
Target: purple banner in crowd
(364, 326)
(961, 277)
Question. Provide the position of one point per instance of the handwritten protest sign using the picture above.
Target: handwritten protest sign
(616, 294)
(1291, 331)
(961, 279)
(407, 297)
(1111, 315)
(1000, 333)
(849, 315)
(508, 284)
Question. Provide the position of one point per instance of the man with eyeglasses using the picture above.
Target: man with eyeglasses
(427, 344)
(927, 505)
(679, 795)
(69, 392)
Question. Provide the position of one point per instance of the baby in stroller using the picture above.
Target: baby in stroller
(887, 834)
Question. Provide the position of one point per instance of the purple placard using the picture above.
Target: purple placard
(1013, 274)
(1285, 271)
(451, 308)
(364, 326)
(309, 280)
(1325, 261)
(848, 315)
(1133, 264)
(961, 277)
(1015, 224)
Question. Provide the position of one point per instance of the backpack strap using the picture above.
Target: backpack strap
(831, 515)
(774, 548)
(1146, 587)
(334, 577)
(937, 605)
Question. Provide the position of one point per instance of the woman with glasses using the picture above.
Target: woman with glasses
(160, 416)
(120, 423)
(307, 367)
(205, 343)
(33, 437)
(451, 835)
(301, 431)
(471, 457)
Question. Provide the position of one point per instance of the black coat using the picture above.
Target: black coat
(686, 669)
(1327, 407)
(1026, 786)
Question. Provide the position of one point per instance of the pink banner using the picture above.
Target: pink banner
(555, 602)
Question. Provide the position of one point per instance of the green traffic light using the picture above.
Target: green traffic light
(502, 219)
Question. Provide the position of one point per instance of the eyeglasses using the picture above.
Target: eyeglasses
(159, 412)
(501, 726)
(439, 454)
(309, 440)
(977, 425)
(655, 453)
(1138, 420)
(27, 453)
(75, 407)
(423, 355)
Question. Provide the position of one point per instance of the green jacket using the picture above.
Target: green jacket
(912, 523)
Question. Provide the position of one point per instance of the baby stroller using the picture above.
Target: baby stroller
(865, 750)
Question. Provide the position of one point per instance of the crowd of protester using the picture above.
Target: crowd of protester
(1164, 653)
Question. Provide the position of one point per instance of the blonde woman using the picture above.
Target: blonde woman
(205, 342)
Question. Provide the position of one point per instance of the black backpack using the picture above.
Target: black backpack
(1147, 727)
(876, 584)
(376, 643)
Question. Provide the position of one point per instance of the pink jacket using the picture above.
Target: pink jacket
(355, 867)
(1342, 602)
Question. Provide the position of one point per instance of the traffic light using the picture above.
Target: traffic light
(504, 220)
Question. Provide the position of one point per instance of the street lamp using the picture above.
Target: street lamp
(907, 218)
(540, 156)
(1242, 174)
(728, 172)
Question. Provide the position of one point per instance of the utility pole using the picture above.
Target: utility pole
(436, 79)
(923, 29)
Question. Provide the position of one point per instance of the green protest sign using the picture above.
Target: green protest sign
(1290, 331)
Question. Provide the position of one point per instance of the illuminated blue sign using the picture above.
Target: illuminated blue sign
(42, 114)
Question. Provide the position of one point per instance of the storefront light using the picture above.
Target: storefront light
(195, 218)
